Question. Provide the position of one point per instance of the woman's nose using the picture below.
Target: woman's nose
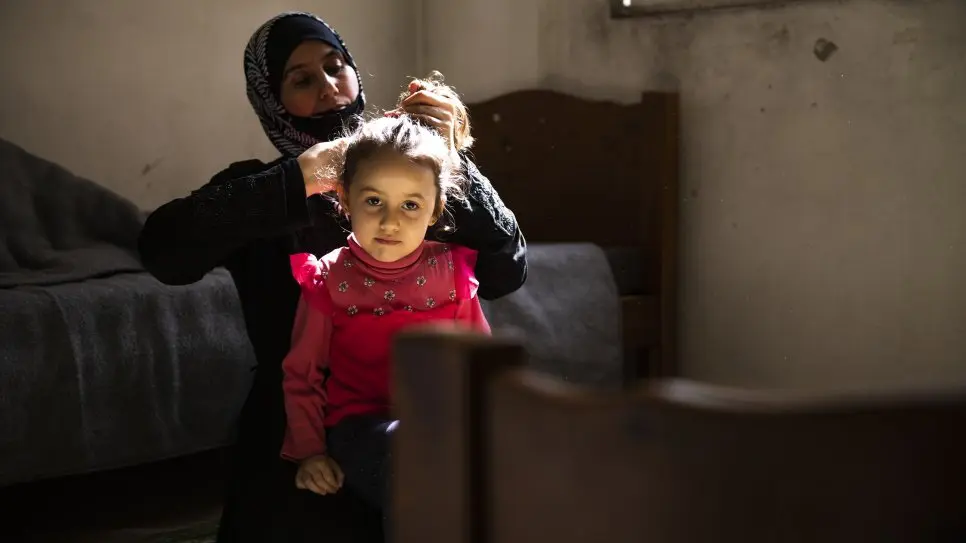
(329, 86)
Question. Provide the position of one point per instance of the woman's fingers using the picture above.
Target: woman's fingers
(318, 165)
(433, 111)
(427, 98)
(429, 121)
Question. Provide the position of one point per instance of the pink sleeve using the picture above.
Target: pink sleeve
(303, 383)
(305, 268)
(464, 261)
(475, 317)
(470, 312)
(310, 273)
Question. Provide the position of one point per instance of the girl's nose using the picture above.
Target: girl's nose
(389, 222)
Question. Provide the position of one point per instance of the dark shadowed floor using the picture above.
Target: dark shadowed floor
(175, 501)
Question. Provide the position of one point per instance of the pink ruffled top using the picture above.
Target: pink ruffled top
(351, 308)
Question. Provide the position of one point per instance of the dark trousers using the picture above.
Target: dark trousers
(262, 504)
(361, 445)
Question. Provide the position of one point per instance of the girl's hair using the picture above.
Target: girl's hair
(408, 137)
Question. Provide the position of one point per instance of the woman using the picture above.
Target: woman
(304, 87)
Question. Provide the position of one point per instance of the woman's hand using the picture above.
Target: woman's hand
(320, 474)
(433, 109)
(319, 166)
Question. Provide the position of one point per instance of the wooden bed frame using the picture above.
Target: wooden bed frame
(574, 170)
(492, 452)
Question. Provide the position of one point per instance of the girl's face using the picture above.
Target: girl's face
(391, 203)
(317, 80)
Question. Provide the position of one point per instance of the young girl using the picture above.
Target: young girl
(396, 179)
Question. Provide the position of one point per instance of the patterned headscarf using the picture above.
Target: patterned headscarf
(265, 57)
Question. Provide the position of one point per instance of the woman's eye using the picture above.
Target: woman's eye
(372, 201)
(334, 69)
(410, 206)
(303, 82)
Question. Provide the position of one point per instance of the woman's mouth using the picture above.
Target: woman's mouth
(334, 108)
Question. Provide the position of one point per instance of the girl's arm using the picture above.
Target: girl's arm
(303, 384)
(186, 238)
(485, 224)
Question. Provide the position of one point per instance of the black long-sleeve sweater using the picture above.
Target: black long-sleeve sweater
(252, 215)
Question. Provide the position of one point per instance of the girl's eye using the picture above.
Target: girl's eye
(303, 82)
(410, 206)
(372, 201)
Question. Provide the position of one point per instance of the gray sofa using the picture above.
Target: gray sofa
(102, 366)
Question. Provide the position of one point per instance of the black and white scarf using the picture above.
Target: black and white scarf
(265, 57)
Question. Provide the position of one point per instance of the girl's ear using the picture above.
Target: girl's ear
(343, 200)
(438, 211)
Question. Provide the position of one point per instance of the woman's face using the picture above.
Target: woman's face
(317, 80)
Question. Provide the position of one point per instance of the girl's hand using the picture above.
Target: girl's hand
(434, 110)
(319, 474)
(319, 166)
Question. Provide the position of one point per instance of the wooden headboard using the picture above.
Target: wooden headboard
(576, 170)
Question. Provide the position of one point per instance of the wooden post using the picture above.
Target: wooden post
(438, 458)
